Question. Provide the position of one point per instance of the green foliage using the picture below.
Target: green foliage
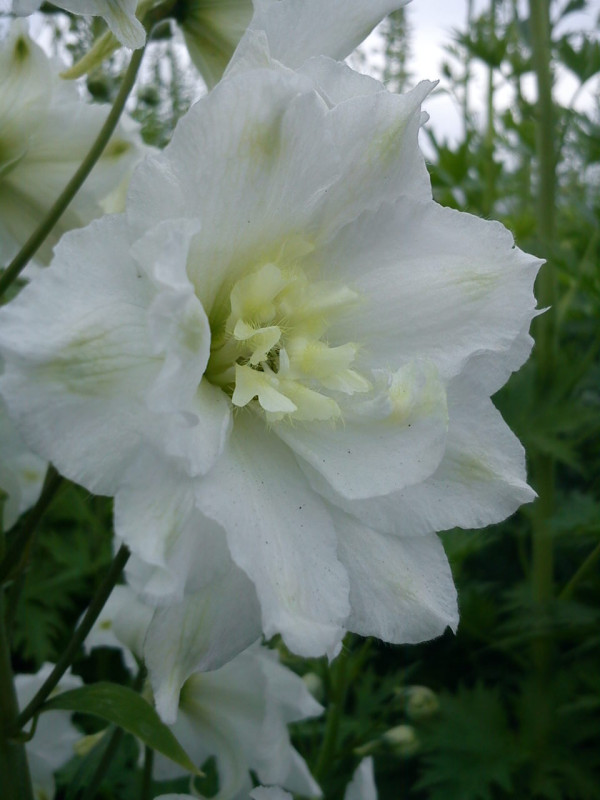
(469, 752)
(73, 546)
(127, 709)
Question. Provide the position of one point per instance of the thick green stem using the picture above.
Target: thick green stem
(545, 333)
(14, 770)
(84, 627)
(334, 714)
(37, 238)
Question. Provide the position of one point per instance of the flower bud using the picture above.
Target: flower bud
(403, 740)
(420, 703)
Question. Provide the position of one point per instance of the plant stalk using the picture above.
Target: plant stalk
(14, 770)
(84, 627)
(545, 334)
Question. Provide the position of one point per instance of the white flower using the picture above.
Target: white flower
(280, 362)
(55, 737)
(361, 787)
(238, 713)
(45, 131)
(21, 472)
(300, 28)
(119, 15)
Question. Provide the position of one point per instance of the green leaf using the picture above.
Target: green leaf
(128, 710)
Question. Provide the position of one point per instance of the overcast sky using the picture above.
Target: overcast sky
(432, 22)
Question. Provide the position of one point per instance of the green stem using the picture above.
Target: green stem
(14, 770)
(84, 627)
(489, 198)
(17, 553)
(334, 714)
(589, 563)
(545, 328)
(146, 789)
(109, 753)
(37, 238)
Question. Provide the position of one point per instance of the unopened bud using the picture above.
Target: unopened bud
(420, 703)
(403, 740)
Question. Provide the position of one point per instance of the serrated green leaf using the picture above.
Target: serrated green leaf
(128, 710)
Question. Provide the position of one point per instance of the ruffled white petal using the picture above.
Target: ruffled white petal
(401, 588)
(296, 30)
(81, 364)
(480, 480)
(438, 284)
(390, 440)
(280, 533)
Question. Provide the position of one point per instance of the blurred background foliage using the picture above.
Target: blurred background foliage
(509, 707)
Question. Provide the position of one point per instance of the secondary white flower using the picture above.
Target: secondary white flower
(45, 131)
(283, 357)
(238, 713)
(55, 736)
(361, 787)
(21, 472)
(119, 15)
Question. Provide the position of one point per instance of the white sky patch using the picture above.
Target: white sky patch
(432, 23)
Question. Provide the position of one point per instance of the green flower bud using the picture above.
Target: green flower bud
(403, 740)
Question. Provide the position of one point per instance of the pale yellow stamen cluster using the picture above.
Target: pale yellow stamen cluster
(273, 349)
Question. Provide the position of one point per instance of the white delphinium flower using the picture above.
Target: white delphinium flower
(361, 787)
(21, 472)
(239, 713)
(46, 129)
(54, 739)
(119, 15)
(280, 363)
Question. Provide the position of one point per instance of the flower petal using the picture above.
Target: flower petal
(401, 588)
(362, 786)
(80, 360)
(299, 29)
(480, 480)
(437, 284)
(202, 632)
(389, 441)
(279, 532)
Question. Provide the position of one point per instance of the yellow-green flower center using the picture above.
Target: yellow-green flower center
(272, 346)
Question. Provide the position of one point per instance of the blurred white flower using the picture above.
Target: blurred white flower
(361, 787)
(55, 737)
(45, 131)
(238, 713)
(119, 15)
(280, 362)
